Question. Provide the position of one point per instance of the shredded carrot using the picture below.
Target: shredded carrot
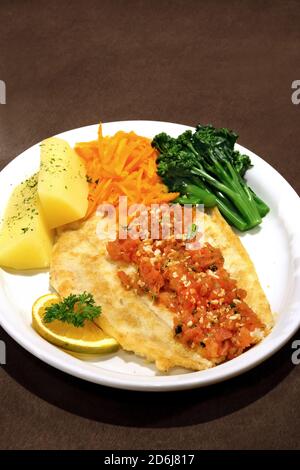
(122, 165)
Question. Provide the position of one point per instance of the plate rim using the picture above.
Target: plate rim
(166, 382)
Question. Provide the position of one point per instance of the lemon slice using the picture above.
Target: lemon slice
(88, 339)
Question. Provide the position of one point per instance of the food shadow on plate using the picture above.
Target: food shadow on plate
(144, 409)
(25, 272)
(253, 231)
(127, 361)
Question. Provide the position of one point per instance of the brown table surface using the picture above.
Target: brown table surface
(71, 63)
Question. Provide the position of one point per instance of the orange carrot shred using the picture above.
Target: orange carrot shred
(122, 164)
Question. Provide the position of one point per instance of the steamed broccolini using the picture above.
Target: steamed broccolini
(204, 167)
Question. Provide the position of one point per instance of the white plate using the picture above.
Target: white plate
(274, 248)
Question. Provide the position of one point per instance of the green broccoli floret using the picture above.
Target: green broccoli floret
(240, 162)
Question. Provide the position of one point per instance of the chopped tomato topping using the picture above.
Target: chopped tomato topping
(123, 251)
(209, 308)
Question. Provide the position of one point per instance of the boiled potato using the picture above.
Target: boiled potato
(25, 240)
(62, 186)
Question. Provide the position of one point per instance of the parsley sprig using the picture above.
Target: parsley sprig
(74, 309)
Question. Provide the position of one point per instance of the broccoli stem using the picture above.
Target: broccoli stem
(187, 200)
(225, 200)
(251, 209)
(232, 217)
(206, 197)
(262, 207)
(223, 204)
(238, 198)
(239, 185)
(227, 209)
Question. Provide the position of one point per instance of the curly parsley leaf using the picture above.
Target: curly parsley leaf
(74, 309)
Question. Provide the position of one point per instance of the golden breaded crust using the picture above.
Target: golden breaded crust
(80, 263)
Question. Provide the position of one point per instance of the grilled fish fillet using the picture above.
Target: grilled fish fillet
(80, 263)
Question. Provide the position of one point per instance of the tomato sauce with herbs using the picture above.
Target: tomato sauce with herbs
(209, 309)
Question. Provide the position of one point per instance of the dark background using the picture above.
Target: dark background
(72, 63)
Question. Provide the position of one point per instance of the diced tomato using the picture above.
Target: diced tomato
(220, 334)
(207, 257)
(122, 250)
(125, 279)
(168, 299)
(244, 338)
(152, 277)
(211, 350)
(209, 309)
(224, 348)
